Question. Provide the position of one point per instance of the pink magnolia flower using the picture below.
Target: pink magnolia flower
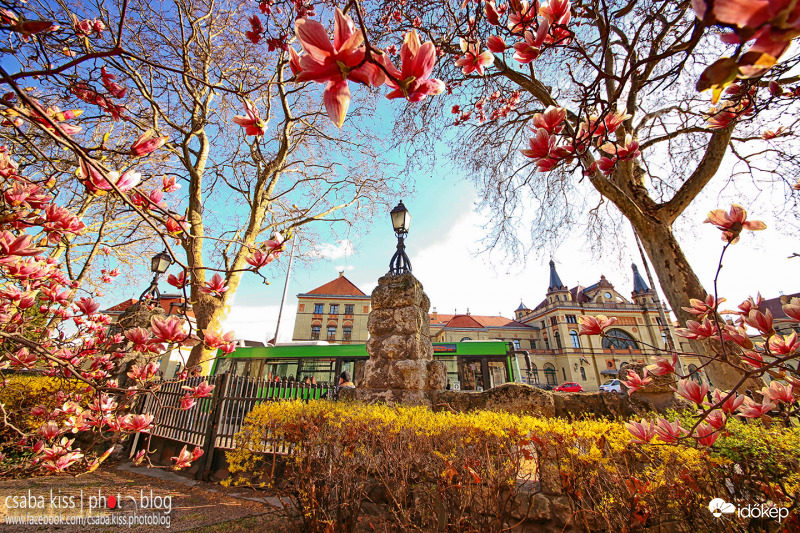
(552, 120)
(335, 63)
(643, 432)
(523, 16)
(147, 143)
(183, 459)
(136, 422)
(97, 184)
(716, 419)
(733, 223)
(496, 44)
(628, 150)
(706, 435)
(212, 339)
(784, 344)
(176, 226)
(168, 184)
(167, 329)
(259, 259)
(777, 392)
(760, 321)
(692, 391)
(738, 335)
(635, 382)
(490, 10)
(140, 338)
(179, 281)
(274, 246)
(49, 430)
(473, 59)
(417, 61)
(702, 308)
(698, 330)
(17, 245)
(116, 90)
(663, 366)
(251, 122)
(188, 401)
(87, 306)
(215, 286)
(751, 409)
(669, 432)
(203, 390)
(540, 145)
(594, 325)
(530, 47)
(728, 402)
(792, 309)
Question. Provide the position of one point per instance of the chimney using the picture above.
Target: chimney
(435, 315)
(341, 273)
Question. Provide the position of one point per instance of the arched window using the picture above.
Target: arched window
(534, 374)
(550, 374)
(573, 336)
(583, 374)
(465, 339)
(694, 374)
(619, 339)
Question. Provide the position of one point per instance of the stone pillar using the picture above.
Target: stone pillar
(400, 368)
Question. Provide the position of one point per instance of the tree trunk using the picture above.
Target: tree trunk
(680, 284)
(209, 312)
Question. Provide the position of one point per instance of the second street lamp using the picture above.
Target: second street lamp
(158, 265)
(401, 220)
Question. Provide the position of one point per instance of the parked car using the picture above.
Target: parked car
(543, 386)
(612, 385)
(569, 387)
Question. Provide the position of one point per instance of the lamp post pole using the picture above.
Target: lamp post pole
(401, 220)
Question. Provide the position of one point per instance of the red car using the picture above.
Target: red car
(569, 387)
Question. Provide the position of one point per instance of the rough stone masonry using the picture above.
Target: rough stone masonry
(400, 368)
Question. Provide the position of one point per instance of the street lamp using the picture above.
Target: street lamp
(401, 220)
(158, 265)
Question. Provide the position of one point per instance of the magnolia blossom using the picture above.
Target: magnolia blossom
(706, 435)
(669, 432)
(251, 121)
(473, 59)
(663, 366)
(702, 308)
(643, 431)
(148, 142)
(692, 391)
(728, 402)
(185, 458)
(635, 382)
(335, 63)
(594, 325)
(778, 392)
(216, 286)
(733, 223)
(530, 48)
(417, 61)
(751, 409)
(179, 281)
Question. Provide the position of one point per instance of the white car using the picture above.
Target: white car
(612, 385)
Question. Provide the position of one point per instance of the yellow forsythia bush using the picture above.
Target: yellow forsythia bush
(476, 471)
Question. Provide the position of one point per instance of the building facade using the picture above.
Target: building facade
(336, 312)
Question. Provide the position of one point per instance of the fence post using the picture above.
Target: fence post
(211, 430)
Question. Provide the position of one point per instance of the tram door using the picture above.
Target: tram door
(481, 373)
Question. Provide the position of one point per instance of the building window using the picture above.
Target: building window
(558, 341)
(516, 344)
(331, 333)
(573, 336)
(694, 374)
(553, 320)
(619, 340)
(546, 343)
(533, 344)
(318, 309)
(314, 333)
(564, 373)
(349, 309)
(533, 374)
(571, 319)
(347, 333)
(543, 324)
(550, 374)
(658, 321)
(465, 339)
(583, 374)
(334, 309)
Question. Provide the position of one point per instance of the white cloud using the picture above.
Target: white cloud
(344, 268)
(257, 323)
(342, 248)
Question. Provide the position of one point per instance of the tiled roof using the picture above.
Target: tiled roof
(775, 305)
(167, 301)
(341, 286)
(475, 321)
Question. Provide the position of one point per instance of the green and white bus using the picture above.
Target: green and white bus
(471, 365)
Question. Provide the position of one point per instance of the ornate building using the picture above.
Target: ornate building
(557, 353)
(336, 312)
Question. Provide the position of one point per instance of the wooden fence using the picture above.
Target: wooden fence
(213, 422)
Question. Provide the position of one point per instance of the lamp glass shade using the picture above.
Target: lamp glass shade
(401, 218)
(160, 262)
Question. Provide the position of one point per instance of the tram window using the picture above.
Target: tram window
(451, 364)
(497, 373)
(320, 369)
(280, 369)
(223, 365)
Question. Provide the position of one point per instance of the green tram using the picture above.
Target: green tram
(471, 366)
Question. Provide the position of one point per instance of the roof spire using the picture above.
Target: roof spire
(555, 281)
(639, 286)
